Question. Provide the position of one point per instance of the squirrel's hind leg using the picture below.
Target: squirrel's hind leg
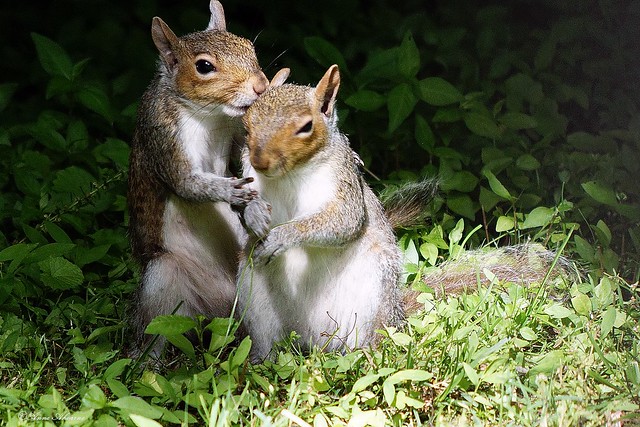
(174, 284)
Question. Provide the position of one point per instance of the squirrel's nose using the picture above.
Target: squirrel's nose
(259, 162)
(260, 83)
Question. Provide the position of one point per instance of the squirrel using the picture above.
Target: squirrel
(328, 267)
(184, 229)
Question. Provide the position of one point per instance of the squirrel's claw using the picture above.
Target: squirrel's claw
(240, 195)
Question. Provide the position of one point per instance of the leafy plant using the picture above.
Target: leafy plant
(530, 119)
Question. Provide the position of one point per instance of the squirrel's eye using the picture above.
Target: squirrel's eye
(204, 67)
(306, 128)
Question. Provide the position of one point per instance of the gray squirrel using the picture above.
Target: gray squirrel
(184, 230)
(328, 266)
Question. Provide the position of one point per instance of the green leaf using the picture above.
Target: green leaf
(604, 292)
(482, 125)
(401, 339)
(50, 250)
(60, 274)
(242, 352)
(363, 383)
(488, 199)
(325, 53)
(584, 248)
(408, 57)
(94, 398)
(17, 252)
(57, 86)
(528, 334)
(438, 92)
(403, 400)
(77, 136)
(463, 181)
(52, 400)
(409, 375)
(545, 53)
(471, 373)
(548, 363)
(142, 421)
(423, 134)
(84, 256)
(429, 251)
(73, 180)
(410, 253)
(183, 344)
(582, 304)
(505, 223)
(27, 182)
(527, 162)
(114, 150)
(366, 100)
(517, 121)
(57, 233)
(455, 235)
(383, 64)
(79, 66)
(600, 193)
(539, 217)
(52, 56)
(134, 405)
(400, 104)
(389, 392)
(116, 368)
(97, 101)
(496, 185)
(462, 205)
(6, 92)
(608, 321)
(558, 311)
(170, 324)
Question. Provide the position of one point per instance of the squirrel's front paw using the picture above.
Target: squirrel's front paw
(239, 194)
(257, 217)
(266, 250)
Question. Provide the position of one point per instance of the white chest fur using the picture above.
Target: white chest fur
(207, 140)
(299, 193)
(209, 232)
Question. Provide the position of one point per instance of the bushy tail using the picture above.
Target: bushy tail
(523, 264)
(407, 205)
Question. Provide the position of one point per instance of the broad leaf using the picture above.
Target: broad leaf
(438, 92)
(400, 104)
(52, 56)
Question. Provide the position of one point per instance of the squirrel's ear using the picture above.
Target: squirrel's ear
(217, 21)
(327, 90)
(280, 77)
(165, 40)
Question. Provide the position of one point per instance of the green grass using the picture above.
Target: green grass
(562, 354)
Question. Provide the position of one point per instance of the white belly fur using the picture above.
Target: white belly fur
(329, 296)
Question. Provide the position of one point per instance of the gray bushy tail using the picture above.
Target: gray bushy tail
(525, 264)
(407, 205)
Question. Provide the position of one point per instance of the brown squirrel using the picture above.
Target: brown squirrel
(184, 230)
